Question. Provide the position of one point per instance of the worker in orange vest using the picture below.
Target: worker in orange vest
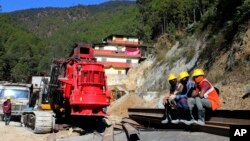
(167, 102)
(208, 96)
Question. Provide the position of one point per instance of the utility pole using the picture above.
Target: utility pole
(0, 8)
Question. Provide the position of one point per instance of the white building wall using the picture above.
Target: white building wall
(120, 60)
(135, 61)
(115, 71)
(112, 47)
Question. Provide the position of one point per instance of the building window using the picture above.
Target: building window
(84, 50)
(128, 61)
(104, 59)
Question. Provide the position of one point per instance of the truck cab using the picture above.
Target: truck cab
(19, 93)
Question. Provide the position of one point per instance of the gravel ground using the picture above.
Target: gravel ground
(14, 132)
(167, 135)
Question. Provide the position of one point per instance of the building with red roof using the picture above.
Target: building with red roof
(118, 53)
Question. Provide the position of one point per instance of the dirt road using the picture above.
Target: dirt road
(14, 132)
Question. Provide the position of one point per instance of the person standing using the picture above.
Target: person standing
(7, 110)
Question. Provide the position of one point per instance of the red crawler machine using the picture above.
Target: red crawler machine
(78, 85)
(77, 93)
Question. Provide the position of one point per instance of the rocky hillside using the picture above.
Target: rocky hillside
(220, 44)
(234, 85)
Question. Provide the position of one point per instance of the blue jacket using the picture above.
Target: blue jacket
(181, 98)
(187, 90)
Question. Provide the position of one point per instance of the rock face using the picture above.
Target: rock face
(151, 75)
(229, 70)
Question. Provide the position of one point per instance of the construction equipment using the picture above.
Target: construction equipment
(77, 88)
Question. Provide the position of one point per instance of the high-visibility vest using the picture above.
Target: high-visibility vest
(211, 95)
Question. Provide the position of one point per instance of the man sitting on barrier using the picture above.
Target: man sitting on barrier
(175, 87)
(207, 98)
(189, 88)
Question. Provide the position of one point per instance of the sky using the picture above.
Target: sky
(13, 5)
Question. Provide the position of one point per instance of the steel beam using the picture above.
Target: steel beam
(131, 132)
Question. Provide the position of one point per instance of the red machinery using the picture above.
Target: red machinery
(78, 84)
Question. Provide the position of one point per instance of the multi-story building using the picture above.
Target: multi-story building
(118, 53)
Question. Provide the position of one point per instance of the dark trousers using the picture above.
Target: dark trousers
(7, 117)
(168, 111)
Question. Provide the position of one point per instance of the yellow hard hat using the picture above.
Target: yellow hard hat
(198, 72)
(183, 74)
(171, 77)
(8, 97)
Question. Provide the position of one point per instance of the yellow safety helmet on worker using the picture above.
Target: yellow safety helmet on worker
(171, 77)
(198, 72)
(183, 74)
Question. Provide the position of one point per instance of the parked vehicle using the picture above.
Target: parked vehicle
(19, 94)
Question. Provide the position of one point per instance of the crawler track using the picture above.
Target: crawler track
(38, 121)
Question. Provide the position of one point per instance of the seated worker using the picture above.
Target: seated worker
(207, 98)
(189, 88)
(174, 87)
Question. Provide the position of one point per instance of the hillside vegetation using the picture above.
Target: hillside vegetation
(218, 42)
(95, 29)
(44, 22)
(21, 54)
(30, 39)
